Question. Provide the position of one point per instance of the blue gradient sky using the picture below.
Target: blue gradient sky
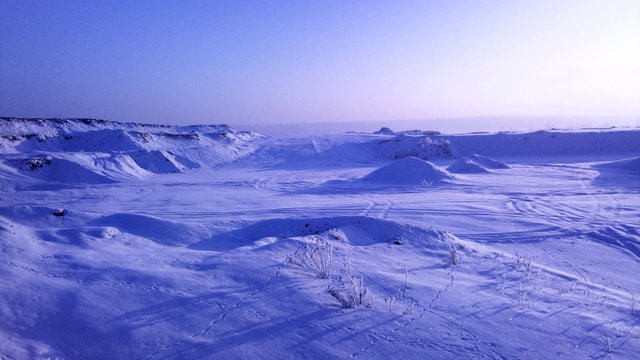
(304, 61)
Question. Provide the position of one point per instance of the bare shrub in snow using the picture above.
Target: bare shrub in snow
(426, 184)
(406, 278)
(389, 300)
(454, 257)
(608, 344)
(350, 290)
(524, 262)
(315, 257)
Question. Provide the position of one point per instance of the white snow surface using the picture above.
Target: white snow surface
(140, 241)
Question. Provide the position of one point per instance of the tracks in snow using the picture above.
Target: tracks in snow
(224, 313)
(412, 316)
(379, 209)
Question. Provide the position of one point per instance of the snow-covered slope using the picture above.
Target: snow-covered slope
(631, 166)
(116, 150)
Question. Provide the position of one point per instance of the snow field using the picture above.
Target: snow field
(328, 246)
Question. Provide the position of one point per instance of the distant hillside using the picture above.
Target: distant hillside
(113, 151)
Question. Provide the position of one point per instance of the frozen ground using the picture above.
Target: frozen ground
(205, 242)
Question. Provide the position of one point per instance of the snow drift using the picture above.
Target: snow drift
(352, 230)
(467, 166)
(488, 162)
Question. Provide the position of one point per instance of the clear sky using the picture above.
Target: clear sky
(313, 61)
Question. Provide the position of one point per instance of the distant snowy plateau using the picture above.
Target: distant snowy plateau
(134, 241)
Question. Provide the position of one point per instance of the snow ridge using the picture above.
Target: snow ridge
(113, 151)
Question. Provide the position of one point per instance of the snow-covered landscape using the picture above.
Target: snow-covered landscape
(134, 241)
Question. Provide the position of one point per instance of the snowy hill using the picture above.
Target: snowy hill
(142, 241)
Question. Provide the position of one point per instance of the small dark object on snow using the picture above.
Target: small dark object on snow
(397, 242)
(58, 212)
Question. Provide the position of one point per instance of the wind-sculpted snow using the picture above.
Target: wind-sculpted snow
(135, 241)
(156, 161)
(135, 150)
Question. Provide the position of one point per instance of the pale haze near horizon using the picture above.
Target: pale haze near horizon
(277, 62)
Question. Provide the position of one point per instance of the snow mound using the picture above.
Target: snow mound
(352, 230)
(488, 162)
(53, 169)
(628, 165)
(161, 231)
(467, 166)
(408, 171)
